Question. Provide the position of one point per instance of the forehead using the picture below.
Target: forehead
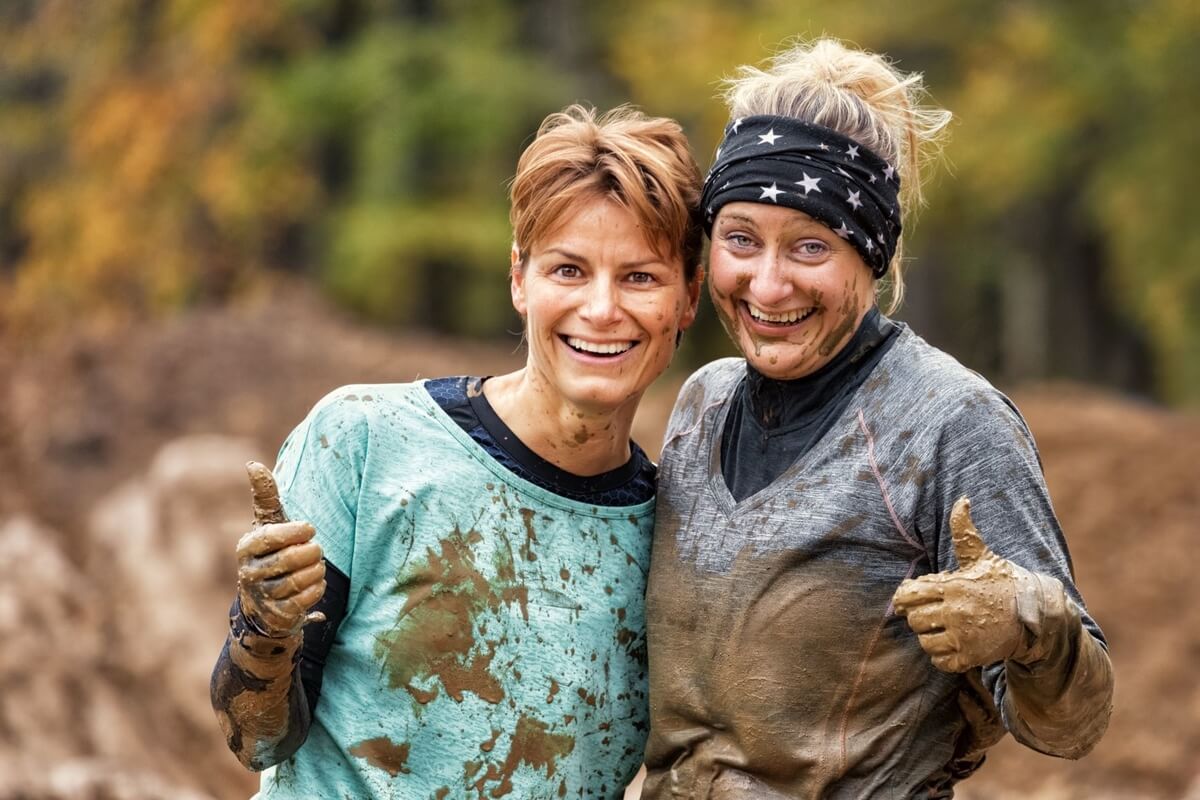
(766, 216)
(600, 220)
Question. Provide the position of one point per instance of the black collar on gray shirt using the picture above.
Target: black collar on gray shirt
(774, 422)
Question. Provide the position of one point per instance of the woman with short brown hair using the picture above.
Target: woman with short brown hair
(457, 608)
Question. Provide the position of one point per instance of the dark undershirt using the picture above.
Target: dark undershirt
(463, 400)
(772, 423)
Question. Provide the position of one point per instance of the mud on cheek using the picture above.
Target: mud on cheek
(845, 316)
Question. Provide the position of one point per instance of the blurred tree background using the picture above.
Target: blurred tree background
(158, 155)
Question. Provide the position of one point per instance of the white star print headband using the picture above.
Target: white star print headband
(832, 178)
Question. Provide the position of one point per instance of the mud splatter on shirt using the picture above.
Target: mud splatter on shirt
(493, 644)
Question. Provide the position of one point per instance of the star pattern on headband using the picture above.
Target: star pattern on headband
(809, 183)
(841, 184)
(772, 192)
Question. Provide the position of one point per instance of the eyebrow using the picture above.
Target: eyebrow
(737, 218)
(800, 224)
(570, 256)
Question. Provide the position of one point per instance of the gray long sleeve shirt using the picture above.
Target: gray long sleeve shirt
(778, 667)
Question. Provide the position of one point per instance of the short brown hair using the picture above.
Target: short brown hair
(642, 163)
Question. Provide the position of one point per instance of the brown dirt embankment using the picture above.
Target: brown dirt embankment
(104, 681)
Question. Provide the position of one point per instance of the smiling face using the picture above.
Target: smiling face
(789, 290)
(601, 307)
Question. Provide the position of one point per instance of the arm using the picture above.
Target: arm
(1057, 694)
(256, 690)
(267, 680)
(1009, 604)
(258, 696)
(262, 693)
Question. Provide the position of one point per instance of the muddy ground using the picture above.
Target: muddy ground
(121, 497)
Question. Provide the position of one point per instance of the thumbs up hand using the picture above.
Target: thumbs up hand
(281, 571)
(968, 617)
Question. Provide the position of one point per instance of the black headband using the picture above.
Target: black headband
(830, 177)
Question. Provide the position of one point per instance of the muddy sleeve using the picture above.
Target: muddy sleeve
(264, 691)
(1059, 699)
(257, 694)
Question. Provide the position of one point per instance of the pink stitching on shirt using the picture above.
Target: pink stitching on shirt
(862, 667)
(887, 500)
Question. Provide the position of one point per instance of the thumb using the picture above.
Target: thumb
(267, 507)
(969, 546)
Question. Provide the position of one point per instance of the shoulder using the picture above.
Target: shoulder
(708, 386)
(360, 402)
(933, 392)
(356, 414)
(714, 380)
(920, 377)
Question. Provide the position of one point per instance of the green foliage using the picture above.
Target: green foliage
(154, 156)
(1073, 140)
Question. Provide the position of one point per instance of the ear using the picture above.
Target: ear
(694, 286)
(517, 280)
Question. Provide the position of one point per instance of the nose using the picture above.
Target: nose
(770, 286)
(602, 306)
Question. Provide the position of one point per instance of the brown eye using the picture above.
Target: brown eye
(567, 271)
(643, 278)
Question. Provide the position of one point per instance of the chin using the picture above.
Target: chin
(770, 362)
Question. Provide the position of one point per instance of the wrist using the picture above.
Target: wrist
(255, 624)
(252, 639)
(1041, 604)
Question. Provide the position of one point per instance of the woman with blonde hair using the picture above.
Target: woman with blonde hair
(819, 625)
(456, 607)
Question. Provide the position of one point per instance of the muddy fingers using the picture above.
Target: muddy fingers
(281, 571)
(967, 617)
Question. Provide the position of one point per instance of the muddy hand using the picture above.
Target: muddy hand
(281, 571)
(968, 617)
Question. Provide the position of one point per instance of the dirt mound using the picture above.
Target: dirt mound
(118, 514)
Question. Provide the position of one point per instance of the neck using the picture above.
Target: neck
(582, 441)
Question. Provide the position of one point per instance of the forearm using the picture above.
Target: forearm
(1059, 689)
(258, 696)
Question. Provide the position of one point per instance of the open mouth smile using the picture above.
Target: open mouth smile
(601, 350)
(780, 320)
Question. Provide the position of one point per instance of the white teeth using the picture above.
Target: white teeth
(611, 348)
(784, 318)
